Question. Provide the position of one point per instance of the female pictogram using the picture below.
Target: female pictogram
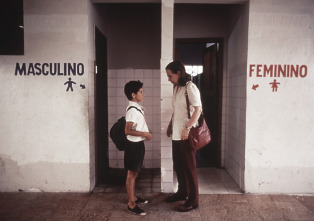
(274, 85)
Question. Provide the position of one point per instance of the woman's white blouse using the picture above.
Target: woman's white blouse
(180, 113)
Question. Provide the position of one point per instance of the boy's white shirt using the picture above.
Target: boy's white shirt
(138, 120)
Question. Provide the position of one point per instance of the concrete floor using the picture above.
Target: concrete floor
(221, 200)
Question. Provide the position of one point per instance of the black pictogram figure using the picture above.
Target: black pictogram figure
(274, 85)
(69, 83)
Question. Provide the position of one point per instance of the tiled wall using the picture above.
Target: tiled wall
(117, 103)
(235, 101)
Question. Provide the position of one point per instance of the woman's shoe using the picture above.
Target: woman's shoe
(187, 208)
(175, 197)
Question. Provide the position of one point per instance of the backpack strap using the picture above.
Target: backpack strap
(135, 108)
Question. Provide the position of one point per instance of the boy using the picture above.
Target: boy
(137, 131)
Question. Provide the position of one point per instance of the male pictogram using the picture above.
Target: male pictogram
(69, 83)
(274, 85)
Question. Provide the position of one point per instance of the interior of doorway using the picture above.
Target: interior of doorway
(203, 59)
(101, 108)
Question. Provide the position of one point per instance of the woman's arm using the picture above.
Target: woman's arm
(129, 131)
(194, 118)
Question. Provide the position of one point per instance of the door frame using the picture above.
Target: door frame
(220, 41)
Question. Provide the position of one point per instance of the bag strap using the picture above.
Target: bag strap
(138, 110)
(135, 108)
(187, 103)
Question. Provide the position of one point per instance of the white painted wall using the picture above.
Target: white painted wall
(44, 130)
(235, 97)
(279, 155)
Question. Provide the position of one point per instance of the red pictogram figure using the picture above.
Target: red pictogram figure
(274, 85)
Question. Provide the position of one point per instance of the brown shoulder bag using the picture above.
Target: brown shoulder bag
(199, 136)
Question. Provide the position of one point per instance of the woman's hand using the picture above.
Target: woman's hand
(185, 134)
(169, 129)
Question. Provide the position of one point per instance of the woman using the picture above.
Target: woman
(179, 127)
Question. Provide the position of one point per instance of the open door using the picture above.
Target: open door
(208, 53)
(101, 108)
(210, 155)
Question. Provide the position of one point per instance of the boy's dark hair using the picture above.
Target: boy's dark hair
(132, 87)
(176, 66)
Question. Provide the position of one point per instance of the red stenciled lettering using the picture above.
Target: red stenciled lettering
(278, 70)
(258, 70)
(268, 70)
(303, 73)
(294, 71)
(251, 69)
(281, 70)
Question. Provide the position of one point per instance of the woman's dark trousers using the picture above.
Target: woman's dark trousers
(185, 166)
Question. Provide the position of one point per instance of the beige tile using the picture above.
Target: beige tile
(307, 201)
(260, 202)
(241, 211)
(271, 214)
(214, 214)
(295, 210)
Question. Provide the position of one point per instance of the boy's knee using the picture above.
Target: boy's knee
(132, 174)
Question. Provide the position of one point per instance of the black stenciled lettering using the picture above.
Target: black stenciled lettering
(44, 70)
(65, 69)
(37, 68)
(71, 69)
(80, 71)
(31, 69)
(20, 70)
(53, 72)
(59, 69)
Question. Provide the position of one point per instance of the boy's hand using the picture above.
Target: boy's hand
(148, 136)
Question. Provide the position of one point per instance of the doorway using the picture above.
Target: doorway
(203, 60)
(101, 108)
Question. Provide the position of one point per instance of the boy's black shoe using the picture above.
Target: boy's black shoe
(137, 211)
(141, 201)
(175, 197)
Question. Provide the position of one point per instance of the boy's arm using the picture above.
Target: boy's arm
(129, 131)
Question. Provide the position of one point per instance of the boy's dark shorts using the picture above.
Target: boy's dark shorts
(134, 156)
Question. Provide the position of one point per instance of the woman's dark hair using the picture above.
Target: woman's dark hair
(176, 66)
(132, 87)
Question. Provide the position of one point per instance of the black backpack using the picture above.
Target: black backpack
(117, 133)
